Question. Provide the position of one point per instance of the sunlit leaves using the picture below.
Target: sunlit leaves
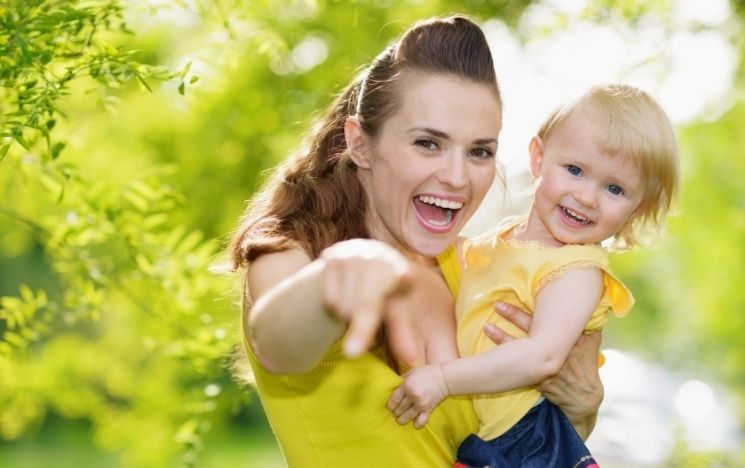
(44, 46)
(22, 319)
(131, 207)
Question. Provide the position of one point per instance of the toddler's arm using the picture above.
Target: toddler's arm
(577, 388)
(563, 307)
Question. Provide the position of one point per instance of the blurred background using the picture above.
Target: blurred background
(134, 131)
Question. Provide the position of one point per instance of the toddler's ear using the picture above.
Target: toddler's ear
(536, 155)
(357, 142)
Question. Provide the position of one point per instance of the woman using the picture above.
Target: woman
(346, 236)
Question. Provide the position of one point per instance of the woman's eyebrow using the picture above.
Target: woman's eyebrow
(431, 131)
(445, 136)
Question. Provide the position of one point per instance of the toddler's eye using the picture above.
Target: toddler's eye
(574, 170)
(615, 189)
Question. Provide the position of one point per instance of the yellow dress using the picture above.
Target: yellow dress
(513, 271)
(335, 415)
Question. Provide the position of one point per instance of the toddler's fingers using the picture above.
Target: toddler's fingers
(421, 419)
(407, 415)
(396, 398)
(405, 405)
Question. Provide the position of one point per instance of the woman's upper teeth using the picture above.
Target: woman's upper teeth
(441, 202)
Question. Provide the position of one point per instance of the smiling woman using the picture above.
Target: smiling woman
(359, 229)
(439, 151)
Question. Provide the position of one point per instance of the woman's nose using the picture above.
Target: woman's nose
(453, 171)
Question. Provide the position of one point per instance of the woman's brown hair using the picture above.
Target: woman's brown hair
(315, 199)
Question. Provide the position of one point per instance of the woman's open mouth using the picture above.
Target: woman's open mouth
(436, 214)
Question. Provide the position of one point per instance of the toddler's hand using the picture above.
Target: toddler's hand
(422, 390)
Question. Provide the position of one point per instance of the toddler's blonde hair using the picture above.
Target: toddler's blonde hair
(638, 129)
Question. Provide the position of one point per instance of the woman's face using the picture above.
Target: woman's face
(432, 163)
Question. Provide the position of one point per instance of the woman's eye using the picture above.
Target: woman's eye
(483, 153)
(574, 170)
(615, 189)
(426, 143)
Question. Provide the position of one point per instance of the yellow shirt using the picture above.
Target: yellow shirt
(335, 416)
(513, 271)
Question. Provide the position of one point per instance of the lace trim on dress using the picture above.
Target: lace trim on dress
(563, 269)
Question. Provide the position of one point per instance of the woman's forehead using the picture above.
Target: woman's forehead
(448, 104)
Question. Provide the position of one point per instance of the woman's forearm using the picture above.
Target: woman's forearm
(289, 327)
(583, 424)
(302, 307)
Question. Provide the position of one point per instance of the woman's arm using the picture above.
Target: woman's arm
(577, 388)
(288, 326)
(301, 307)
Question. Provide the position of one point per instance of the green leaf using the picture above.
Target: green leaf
(4, 150)
(143, 189)
(26, 293)
(14, 339)
(189, 242)
(137, 200)
(143, 83)
(50, 183)
(22, 141)
(155, 220)
(57, 149)
(144, 264)
(185, 70)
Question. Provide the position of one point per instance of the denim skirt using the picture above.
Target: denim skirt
(543, 438)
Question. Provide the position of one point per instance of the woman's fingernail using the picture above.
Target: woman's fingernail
(500, 306)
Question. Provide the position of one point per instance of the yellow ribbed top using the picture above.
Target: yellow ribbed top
(335, 415)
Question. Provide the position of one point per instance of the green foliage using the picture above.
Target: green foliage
(115, 205)
(122, 323)
(46, 44)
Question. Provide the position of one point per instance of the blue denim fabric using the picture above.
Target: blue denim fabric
(543, 438)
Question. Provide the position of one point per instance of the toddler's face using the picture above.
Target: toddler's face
(584, 196)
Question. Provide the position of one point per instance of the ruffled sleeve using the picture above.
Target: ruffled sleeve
(616, 297)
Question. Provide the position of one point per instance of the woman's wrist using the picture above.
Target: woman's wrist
(583, 424)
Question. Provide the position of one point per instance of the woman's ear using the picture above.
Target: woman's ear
(357, 142)
(536, 155)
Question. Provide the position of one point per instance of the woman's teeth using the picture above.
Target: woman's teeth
(440, 202)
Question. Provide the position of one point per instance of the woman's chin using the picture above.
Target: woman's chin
(433, 247)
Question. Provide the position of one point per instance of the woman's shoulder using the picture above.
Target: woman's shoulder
(265, 271)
